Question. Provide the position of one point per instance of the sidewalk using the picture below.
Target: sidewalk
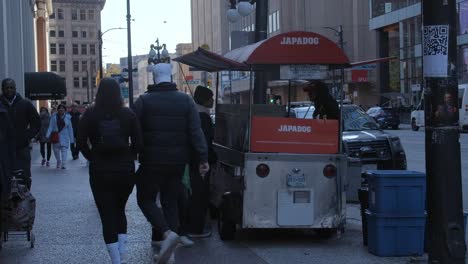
(68, 230)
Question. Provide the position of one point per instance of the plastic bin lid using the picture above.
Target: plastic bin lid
(394, 173)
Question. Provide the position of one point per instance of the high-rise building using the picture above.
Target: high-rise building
(73, 46)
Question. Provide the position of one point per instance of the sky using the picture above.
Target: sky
(168, 20)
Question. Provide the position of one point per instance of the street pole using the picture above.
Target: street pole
(100, 54)
(87, 88)
(130, 66)
(261, 33)
(443, 165)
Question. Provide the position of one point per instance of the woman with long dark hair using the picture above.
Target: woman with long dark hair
(41, 137)
(109, 136)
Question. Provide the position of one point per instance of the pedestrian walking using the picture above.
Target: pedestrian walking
(75, 118)
(200, 195)
(104, 135)
(60, 133)
(44, 142)
(171, 126)
(25, 122)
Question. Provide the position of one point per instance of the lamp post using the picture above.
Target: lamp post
(100, 47)
(130, 66)
(155, 56)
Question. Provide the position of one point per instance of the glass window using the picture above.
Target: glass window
(59, 13)
(52, 33)
(61, 33)
(93, 81)
(53, 48)
(270, 23)
(463, 17)
(52, 16)
(84, 66)
(93, 66)
(74, 14)
(82, 14)
(83, 34)
(92, 49)
(76, 66)
(75, 49)
(74, 34)
(84, 49)
(90, 14)
(62, 66)
(53, 65)
(76, 82)
(84, 82)
(62, 49)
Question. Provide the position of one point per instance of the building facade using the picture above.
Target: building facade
(210, 26)
(183, 77)
(73, 46)
(398, 24)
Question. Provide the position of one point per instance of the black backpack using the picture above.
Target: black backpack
(111, 135)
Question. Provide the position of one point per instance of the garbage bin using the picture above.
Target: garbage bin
(363, 194)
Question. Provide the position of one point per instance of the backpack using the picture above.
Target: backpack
(111, 136)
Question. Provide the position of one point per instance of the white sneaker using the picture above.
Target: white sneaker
(171, 259)
(186, 242)
(168, 246)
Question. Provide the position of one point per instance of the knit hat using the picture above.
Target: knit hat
(162, 72)
(202, 94)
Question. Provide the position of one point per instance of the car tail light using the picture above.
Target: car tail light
(329, 171)
(263, 170)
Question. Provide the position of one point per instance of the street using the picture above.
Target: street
(68, 228)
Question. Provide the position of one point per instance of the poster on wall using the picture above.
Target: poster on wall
(435, 50)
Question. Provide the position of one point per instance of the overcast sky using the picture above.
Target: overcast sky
(149, 16)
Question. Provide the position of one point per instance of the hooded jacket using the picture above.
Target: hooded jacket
(171, 126)
(25, 118)
(7, 151)
(325, 104)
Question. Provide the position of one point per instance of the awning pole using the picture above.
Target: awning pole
(340, 120)
(289, 98)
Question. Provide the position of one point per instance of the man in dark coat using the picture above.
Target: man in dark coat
(171, 127)
(326, 106)
(75, 119)
(26, 124)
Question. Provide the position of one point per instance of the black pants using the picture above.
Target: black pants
(23, 162)
(43, 150)
(199, 200)
(111, 189)
(162, 178)
(74, 150)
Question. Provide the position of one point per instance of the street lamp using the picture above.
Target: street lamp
(100, 47)
(155, 56)
(243, 9)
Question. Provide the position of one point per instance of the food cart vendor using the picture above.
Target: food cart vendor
(326, 106)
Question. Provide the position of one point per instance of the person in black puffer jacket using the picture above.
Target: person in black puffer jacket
(171, 127)
(326, 106)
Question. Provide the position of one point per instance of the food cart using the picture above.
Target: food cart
(277, 171)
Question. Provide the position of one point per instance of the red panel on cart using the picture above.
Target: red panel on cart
(292, 135)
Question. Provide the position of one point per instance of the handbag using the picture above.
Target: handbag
(54, 137)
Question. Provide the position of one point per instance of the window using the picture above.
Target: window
(60, 13)
(62, 66)
(61, 33)
(84, 82)
(93, 81)
(93, 65)
(52, 16)
(62, 49)
(84, 66)
(74, 14)
(82, 14)
(53, 66)
(90, 14)
(53, 48)
(75, 49)
(74, 34)
(76, 66)
(83, 34)
(92, 49)
(76, 82)
(52, 33)
(84, 49)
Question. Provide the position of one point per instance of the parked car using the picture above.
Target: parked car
(385, 116)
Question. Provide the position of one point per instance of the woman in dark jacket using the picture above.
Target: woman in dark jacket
(41, 137)
(114, 137)
(7, 155)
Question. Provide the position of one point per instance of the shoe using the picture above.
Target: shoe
(206, 233)
(186, 242)
(58, 165)
(63, 168)
(48, 163)
(168, 246)
(43, 162)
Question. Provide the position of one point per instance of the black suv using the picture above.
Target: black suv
(385, 116)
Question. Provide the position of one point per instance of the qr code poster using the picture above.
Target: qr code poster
(435, 50)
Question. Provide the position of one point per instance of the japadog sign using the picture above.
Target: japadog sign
(293, 135)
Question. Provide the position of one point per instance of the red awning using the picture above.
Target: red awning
(360, 63)
(209, 61)
(298, 47)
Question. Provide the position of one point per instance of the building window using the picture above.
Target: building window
(83, 34)
(76, 82)
(52, 16)
(90, 14)
(52, 33)
(82, 14)
(84, 49)
(53, 65)
(92, 49)
(62, 66)
(60, 13)
(84, 82)
(93, 81)
(62, 49)
(84, 66)
(75, 49)
(76, 66)
(93, 65)
(61, 34)
(74, 14)
(53, 48)
(74, 34)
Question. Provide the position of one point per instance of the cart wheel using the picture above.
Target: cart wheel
(326, 232)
